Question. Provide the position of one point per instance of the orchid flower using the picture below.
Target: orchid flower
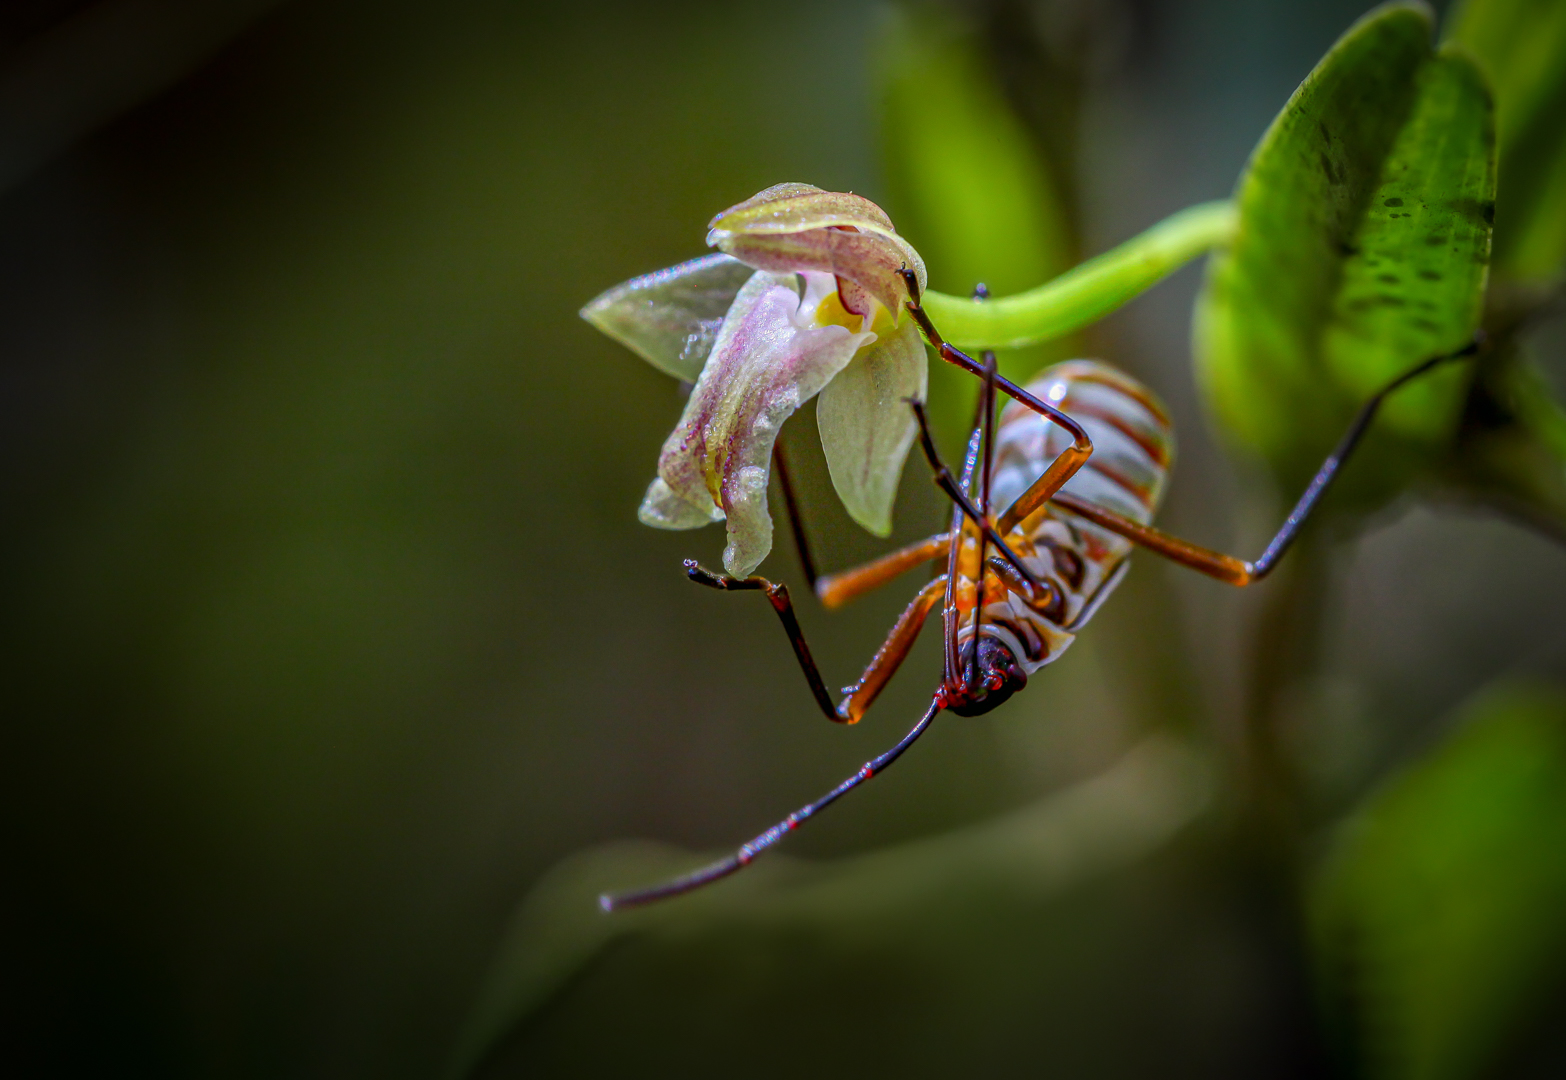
(806, 297)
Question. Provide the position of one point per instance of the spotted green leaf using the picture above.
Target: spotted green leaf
(1521, 45)
(1361, 249)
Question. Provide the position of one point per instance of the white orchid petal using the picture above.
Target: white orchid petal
(671, 318)
(663, 509)
(769, 358)
(867, 426)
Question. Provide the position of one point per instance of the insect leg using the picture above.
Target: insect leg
(1212, 563)
(777, 596)
(958, 533)
(838, 589)
(1329, 468)
(1227, 567)
(796, 523)
(986, 425)
(748, 852)
(1048, 603)
(890, 656)
(1063, 467)
(945, 481)
(857, 698)
(835, 590)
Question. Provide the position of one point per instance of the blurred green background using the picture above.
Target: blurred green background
(330, 629)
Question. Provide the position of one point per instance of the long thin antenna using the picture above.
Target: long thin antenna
(748, 852)
(987, 425)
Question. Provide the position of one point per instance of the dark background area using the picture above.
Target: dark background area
(329, 626)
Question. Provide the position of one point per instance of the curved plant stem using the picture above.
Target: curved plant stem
(1086, 292)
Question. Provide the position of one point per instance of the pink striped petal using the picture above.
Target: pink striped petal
(769, 358)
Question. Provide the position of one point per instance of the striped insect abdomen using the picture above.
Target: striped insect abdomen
(1133, 448)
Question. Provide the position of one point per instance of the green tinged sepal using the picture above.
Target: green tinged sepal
(671, 318)
(867, 427)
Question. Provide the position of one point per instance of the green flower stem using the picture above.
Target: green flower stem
(1087, 292)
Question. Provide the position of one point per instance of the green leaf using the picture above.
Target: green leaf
(1438, 915)
(1521, 45)
(1361, 249)
(968, 184)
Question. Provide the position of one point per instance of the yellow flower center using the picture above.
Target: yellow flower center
(831, 312)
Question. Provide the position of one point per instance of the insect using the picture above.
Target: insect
(1077, 463)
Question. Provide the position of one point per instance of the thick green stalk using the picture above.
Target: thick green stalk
(1087, 292)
